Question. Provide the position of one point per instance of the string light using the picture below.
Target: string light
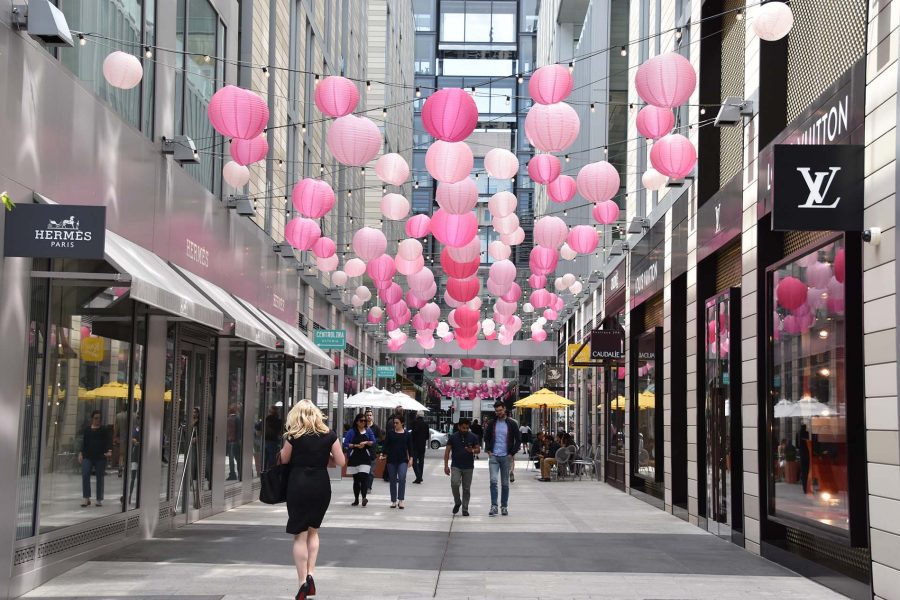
(349, 194)
(593, 107)
(418, 92)
(148, 52)
(739, 15)
(265, 71)
(317, 77)
(473, 90)
(384, 111)
(521, 78)
(368, 86)
(303, 128)
(702, 110)
(631, 107)
(322, 169)
(416, 184)
(81, 39)
(571, 66)
(567, 158)
(624, 51)
(678, 33)
(508, 100)
(207, 58)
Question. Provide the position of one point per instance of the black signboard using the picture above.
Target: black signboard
(607, 345)
(818, 188)
(554, 377)
(55, 231)
(647, 264)
(615, 288)
(720, 219)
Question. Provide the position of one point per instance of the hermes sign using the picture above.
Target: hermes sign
(55, 231)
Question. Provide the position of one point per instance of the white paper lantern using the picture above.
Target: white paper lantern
(559, 284)
(527, 308)
(122, 70)
(568, 279)
(576, 287)
(653, 180)
(339, 278)
(235, 175)
(442, 329)
(774, 20)
(356, 301)
(364, 293)
(567, 253)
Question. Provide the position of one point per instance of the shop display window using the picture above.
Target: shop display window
(234, 419)
(644, 405)
(808, 396)
(269, 426)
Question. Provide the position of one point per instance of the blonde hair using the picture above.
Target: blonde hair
(305, 419)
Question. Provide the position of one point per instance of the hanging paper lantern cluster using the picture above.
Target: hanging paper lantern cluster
(450, 115)
(392, 169)
(241, 115)
(666, 80)
(336, 96)
(501, 163)
(673, 156)
(122, 70)
(312, 198)
(552, 127)
(354, 141)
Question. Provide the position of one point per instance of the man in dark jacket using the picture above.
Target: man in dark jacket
(420, 435)
(502, 440)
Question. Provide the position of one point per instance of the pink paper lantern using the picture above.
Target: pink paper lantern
(598, 181)
(302, 233)
(454, 230)
(354, 267)
(408, 267)
(498, 250)
(543, 261)
(467, 252)
(467, 317)
(557, 302)
(392, 294)
(463, 290)
(606, 212)
(550, 232)
(674, 156)
(409, 249)
(368, 243)
(457, 198)
(818, 274)
(552, 127)
(501, 163)
(502, 204)
(449, 162)
(562, 189)
(515, 238)
(550, 314)
(666, 81)
(122, 70)
(450, 115)
(505, 225)
(354, 141)
(394, 207)
(583, 239)
(503, 272)
(420, 281)
(414, 301)
(324, 247)
(539, 336)
(312, 198)
(85, 331)
(544, 168)
(505, 309)
(514, 294)
(654, 122)
(431, 312)
(235, 175)
(327, 264)
(467, 343)
(790, 293)
(381, 268)
(458, 269)
(375, 314)
(392, 168)
(840, 265)
(418, 226)
(247, 152)
(550, 84)
(537, 281)
(336, 96)
(238, 113)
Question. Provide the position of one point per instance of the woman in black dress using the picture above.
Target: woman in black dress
(359, 443)
(311, 447)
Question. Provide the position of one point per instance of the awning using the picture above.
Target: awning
(312, 354)
(288, 345)
(155, 283)
(246, 325)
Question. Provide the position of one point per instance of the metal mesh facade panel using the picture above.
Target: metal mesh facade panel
(797, 240)
(731, 139)
(728, 267)
(822, 28)
(653, 312)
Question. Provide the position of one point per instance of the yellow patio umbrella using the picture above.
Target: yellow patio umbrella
(543, 398)
(113, 389)
(645, 400)
(618, 403)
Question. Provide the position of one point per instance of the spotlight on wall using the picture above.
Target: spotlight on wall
(182, 149)
(241, 204)
(618, 248)
(733, 112)
(638, 225)
(43, 21)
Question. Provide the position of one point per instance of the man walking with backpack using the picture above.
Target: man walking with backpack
(502, 440)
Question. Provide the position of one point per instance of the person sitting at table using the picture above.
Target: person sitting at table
(537, 448)
(549, 458)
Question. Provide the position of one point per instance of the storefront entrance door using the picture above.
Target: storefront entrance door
(719, 411)
(193, 464)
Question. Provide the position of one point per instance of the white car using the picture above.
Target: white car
(437, 439)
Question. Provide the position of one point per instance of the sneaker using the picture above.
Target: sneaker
(456, 508)
(98, 503)
(465, 513)
(504, 511)
(493, 511)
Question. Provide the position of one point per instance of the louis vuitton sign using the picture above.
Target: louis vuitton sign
(818, 188)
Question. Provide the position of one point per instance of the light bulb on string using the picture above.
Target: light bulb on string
(148, 52)
(322, 169)
(593, 107)
(739, 15)
(702, 110)
(567, 158)
(571, 66)
(81, 39)
(418, 92)
(678, 33)
(624, 51)
(207, 58)
(368, 86)
(521, 78)
(265, 71)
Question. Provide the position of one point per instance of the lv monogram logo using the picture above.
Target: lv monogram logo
(814, 182)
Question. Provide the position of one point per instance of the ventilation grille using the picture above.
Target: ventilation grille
(81, 538)
(797, 240)
(731, 139)
(855, 562)
(728, 267)
(206, 499)
(822, 28)
(23, 555)
(653, 312)
(233, 491)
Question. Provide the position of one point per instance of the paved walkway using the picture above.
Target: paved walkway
(561, 540)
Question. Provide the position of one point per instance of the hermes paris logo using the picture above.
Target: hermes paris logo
(63, 234)
(814, 182)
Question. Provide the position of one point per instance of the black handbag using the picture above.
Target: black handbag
(274, 484)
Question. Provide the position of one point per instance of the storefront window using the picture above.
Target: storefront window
(92, 398)
(807, 389)
(168, 410)
(234, 420)
(645, 408)
(269, 425)
(615, 400)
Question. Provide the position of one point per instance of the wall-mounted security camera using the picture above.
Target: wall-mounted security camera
(43, 21)
(733, 111)
(872, 235)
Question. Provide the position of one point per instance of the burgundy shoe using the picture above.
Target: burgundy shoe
(302, 593)
(310, 585)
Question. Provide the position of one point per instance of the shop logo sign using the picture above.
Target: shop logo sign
(818, 177)
(55, 231)
(607, 345)
(816, 198)
(718, 217)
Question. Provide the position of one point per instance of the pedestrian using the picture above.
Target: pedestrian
(478, 430)
(311, 447)
(378, 432)
(463, 446)
(358, 443)
(398, 449)
(420, 435)
(389, 426)
(96, 450)
(233, 428)
(501, 438)
(525, 432)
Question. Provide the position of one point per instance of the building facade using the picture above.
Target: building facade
(767, 420)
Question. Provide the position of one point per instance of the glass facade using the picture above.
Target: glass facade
(808, 398)
(234, 420)
(644, 408)
(269, 425)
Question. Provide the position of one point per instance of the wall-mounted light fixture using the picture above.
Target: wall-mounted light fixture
(42, 21)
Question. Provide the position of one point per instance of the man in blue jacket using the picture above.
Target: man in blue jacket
(502, 440)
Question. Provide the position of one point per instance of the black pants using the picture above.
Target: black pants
(419, 464)
(360, 485)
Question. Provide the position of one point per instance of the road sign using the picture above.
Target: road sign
(385, 371)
